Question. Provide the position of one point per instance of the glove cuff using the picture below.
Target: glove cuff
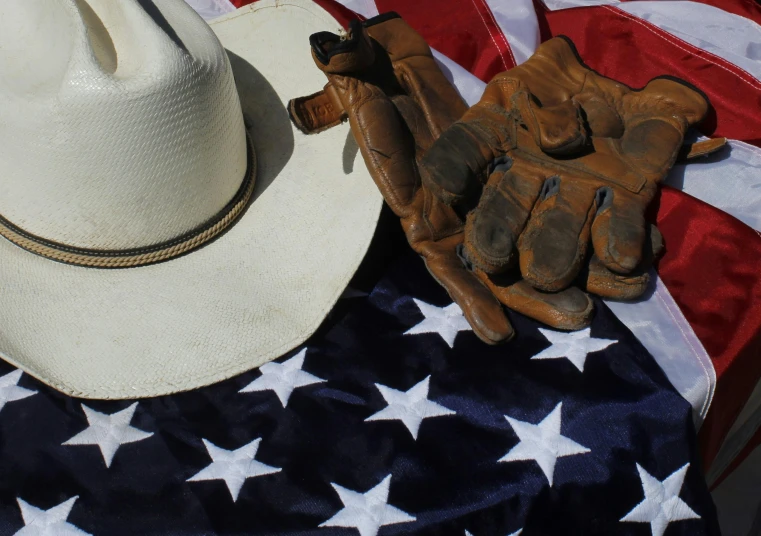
(318, 111)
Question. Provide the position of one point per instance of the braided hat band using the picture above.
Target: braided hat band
(130, 258)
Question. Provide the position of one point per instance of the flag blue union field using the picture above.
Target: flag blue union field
(393, 419)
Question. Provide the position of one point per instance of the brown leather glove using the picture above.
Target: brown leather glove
(383, 78)
(569, 157)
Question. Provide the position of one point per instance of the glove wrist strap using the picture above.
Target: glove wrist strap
(318, 111)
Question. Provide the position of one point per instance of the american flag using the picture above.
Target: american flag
(394, 419)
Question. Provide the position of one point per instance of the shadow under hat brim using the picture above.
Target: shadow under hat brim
(253, 294)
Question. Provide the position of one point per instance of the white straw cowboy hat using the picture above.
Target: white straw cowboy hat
(148, 244)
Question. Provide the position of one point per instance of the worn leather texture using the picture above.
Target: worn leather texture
(248, 297)
(398, 102)
(571, 161)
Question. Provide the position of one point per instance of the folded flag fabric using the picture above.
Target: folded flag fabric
(393, 419)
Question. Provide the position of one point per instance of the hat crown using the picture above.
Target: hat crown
(120, 124)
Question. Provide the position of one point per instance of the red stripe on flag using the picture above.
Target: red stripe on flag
(711, 268)
(745, 8)
(633, 51)
(463, 30)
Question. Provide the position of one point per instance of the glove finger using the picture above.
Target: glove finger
(610, 285)
(493, 228)
(481, 309)
(453, 167)
(619, 229)
(569, 309)
(556, 239)
(386, 146)
(603, 282)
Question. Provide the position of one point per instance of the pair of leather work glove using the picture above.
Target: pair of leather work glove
(503, 200)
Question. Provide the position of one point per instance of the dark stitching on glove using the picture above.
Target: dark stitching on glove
(567, 165)
(379, 152)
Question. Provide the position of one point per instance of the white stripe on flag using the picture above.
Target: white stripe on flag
(726, 35)
(470, 87)
(554, 5)
(517, 20)
(366, 8)
(732, 184)
(660, 326)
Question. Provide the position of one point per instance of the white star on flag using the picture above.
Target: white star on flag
(233, 466)
(367, 512)
(283, 378)
(575, 346)
(661, 504)
(109, 432)
(50, 522)
(446, 321)
(542, 443)
(410, 407)
(9, 391)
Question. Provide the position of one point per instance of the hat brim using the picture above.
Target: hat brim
(256, 292)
